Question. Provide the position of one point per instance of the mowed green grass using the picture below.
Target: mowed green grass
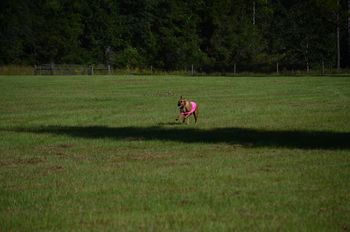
(104, 153)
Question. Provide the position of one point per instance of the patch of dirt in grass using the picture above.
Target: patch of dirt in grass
(142, 156)
(185, 202)
(65, 145)
(51, 170)
(21, 162)
(55, 168)
(154, 155)
(31, 161)
(161, 94)
(267, 168)
(31, 182)
(57, 149)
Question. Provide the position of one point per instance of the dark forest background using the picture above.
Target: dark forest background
(213, 35)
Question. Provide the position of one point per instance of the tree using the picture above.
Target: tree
(333, 12)
(174, 34)
(15, 32)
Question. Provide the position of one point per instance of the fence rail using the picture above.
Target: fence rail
(237, 69)
(71, 69)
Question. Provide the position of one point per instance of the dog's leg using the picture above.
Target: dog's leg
(183, 119)
(195, 114)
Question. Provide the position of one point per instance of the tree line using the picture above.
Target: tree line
(213, 35)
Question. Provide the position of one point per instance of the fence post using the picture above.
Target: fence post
(322, 67)
(109, 69)
(192, 70)
(91, 70)
(234, 69)
(277, 68)
(52, 69)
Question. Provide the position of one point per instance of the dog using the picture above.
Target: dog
(187, 108)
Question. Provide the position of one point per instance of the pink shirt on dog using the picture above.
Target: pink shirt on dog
(193, 109)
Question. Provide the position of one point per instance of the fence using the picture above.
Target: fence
(269, 69)
(71, 69)
(236, 69)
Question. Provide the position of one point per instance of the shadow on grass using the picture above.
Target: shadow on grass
(241, 136)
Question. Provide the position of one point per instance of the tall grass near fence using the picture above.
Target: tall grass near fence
(104, 153)
(16, 70)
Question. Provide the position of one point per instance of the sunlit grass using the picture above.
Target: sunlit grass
(104, 153)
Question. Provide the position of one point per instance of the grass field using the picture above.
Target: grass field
(104, 153)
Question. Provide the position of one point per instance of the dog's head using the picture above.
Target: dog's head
(181, 102)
